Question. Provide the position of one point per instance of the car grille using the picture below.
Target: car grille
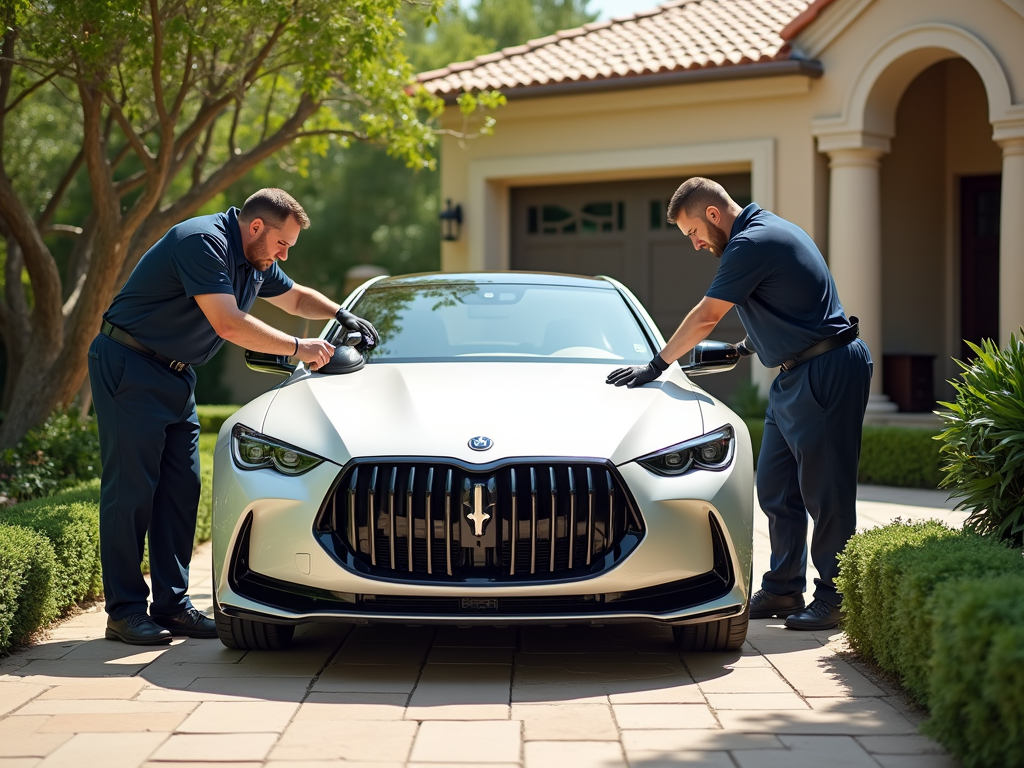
(443, 521)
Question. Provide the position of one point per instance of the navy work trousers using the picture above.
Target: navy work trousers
(149, 442)
(808, 466)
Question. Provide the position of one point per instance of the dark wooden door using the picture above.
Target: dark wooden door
(618, 229)
(979, 259)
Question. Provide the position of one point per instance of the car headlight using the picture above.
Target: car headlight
(713, 452)
(251, 450)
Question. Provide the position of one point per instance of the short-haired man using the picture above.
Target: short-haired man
(774, 275)
(188, 294)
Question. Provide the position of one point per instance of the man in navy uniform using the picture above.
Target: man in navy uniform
(774, 275)
(188, 294)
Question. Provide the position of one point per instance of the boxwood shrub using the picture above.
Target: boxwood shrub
(27, 567)
(908, 457)
(941, 609)
(976, 686)
(212, 417)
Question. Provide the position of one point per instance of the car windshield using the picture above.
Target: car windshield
(469, 321)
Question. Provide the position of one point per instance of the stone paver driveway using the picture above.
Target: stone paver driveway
(404, 697)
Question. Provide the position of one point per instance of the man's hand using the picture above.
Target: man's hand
(353, 323)
(316, 352)
(637, 375)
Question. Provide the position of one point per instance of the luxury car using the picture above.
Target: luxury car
(474, 468)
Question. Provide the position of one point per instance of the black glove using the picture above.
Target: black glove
(744, 347)
(637, 375)
(353, 323)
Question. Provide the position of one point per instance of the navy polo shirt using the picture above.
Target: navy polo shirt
(777, 278)
(203, 255)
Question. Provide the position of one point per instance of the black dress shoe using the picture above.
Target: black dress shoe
(190, 623)
(817, 615)
(137, 629)
(765, 604)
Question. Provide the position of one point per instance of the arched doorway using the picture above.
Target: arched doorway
(927, 64)
(940, 184)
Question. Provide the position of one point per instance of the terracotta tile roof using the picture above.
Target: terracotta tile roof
(678, 36)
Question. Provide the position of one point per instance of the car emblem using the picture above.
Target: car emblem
(480, 443)
(478, 499)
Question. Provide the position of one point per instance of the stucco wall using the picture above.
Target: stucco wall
(774, 110)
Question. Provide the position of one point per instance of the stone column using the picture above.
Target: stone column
(1011, 240)
(855, 244)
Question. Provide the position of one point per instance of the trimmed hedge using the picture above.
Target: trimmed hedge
(941, 609)
(70, 521)
(49, 552)
(26, 576)
(212, 417)
(900, 456)
(976, 696)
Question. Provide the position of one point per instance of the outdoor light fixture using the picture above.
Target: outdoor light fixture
(451, 221)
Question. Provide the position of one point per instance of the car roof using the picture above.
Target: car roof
(498, 278)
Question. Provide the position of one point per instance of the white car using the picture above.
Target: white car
(479, 470)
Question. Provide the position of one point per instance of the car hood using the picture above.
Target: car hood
(526, 409)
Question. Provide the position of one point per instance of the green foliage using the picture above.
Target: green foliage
(865, 574)
(61, 453)
(942, 609)
(983, 443)
(748, 402)
(26, 574)
(72, 528)
(901, 456)
(204, 520)
(212, 417)
(905, 457)
(976, 689)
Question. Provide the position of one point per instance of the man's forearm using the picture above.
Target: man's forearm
(313, 305)
(694, 329)
(252, 333)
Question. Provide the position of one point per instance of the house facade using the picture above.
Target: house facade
(892, 131)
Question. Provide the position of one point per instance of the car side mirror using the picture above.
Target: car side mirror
(264, 362)
(711, 357)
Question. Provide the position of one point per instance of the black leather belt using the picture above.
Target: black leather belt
(841, 339)
(123, 337)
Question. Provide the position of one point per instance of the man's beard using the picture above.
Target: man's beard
(717, 239)
(258, 254)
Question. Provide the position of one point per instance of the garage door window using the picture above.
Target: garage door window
(589, 218)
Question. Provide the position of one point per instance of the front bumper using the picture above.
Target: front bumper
(692, 565)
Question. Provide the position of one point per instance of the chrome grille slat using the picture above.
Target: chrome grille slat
(396, 515)
(428, 524)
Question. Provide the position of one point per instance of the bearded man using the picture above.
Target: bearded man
(774, 275)
(190, 293)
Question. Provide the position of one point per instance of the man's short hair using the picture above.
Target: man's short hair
(273, 206)
(694, 196)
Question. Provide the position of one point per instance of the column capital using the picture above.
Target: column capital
(1010, 128)
(1012, 146)
(830, 141)
(855, 157)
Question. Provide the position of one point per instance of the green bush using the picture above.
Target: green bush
(983, 444)
(900, 456)
(26, 576)
(864, 576)
(61, 453)
(212, 417)
(976, 690)
(204, 521)
(72, 528)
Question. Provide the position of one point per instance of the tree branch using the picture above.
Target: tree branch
(129, 133)
(158, 55)
(63, 229)
(58, 194)
(186, 79)
(30, 90)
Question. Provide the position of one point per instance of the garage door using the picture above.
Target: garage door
(618, 229)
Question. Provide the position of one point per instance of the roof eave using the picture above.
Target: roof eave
(807, 67)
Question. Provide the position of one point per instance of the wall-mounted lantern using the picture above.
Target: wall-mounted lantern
(451, 221)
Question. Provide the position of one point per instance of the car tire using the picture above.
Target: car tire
(721, 635)
(246, 635)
